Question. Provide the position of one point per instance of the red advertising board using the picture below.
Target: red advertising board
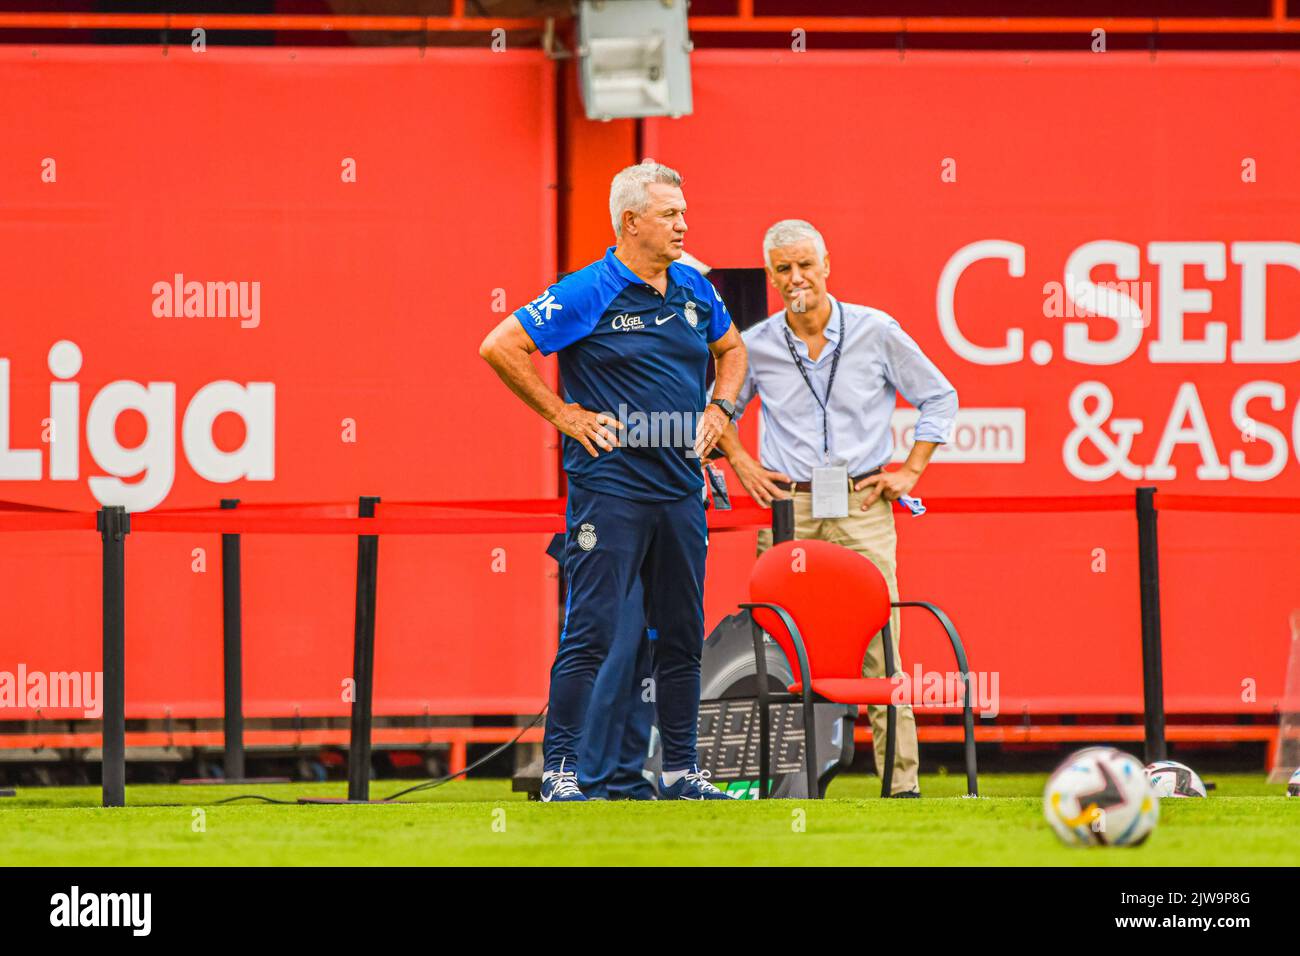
(264, 274)
(343, 225)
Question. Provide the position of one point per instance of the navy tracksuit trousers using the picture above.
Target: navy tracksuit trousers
(616, 736)
(613, 544)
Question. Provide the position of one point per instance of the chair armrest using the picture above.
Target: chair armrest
(959, 652)
(805, 672)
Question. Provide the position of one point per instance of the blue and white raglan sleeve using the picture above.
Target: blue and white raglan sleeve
(567, 311)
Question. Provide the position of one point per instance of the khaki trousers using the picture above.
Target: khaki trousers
(870, 533)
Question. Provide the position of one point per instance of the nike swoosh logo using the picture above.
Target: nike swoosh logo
(665, 319)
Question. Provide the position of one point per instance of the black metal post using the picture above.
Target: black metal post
(891, 717)
(764, 711)
(114, 524)
(782, 520)
(811, 763)
(1153, 686)
(232, 652)
(363, 657)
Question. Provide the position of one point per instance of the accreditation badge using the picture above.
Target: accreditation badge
(830, 491)
(718, 484)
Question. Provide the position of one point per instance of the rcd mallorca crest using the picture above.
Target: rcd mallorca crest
(691, 317)
(587, 537)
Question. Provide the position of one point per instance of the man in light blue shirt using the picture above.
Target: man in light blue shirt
(828, 373)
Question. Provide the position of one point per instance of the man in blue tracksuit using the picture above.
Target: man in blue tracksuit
(634, 331)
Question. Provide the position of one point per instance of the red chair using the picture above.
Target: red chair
(822, 604)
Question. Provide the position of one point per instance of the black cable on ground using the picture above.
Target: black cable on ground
(429, 785)
(255, 796)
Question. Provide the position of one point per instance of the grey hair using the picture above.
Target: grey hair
(628, 190)
(789, 232)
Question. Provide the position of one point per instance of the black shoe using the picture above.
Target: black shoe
(908, 795)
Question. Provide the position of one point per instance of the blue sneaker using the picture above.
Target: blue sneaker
(561, 786)
(694, 786)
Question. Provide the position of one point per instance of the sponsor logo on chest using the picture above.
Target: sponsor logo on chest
(627, 322)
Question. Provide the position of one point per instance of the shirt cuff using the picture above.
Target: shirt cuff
(933, 429)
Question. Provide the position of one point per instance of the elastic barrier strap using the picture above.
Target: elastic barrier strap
(298, 509)
(232, 522)
(20, 506)
(547, 514)
(46, 521)
(1022, 504)
(396, 509)
(1167, 502)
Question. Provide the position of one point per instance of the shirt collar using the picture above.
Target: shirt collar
(627, 275)
(834, 327)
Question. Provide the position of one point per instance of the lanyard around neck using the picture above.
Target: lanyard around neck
(830, 383)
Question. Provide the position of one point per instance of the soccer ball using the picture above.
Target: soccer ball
(1293, 785)
(1169, 778)
(1101, 796)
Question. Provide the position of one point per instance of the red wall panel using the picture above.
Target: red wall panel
(229, 166)
(374, 295)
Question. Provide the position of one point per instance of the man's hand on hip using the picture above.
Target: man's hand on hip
(759, 482)
(588, 428)
(889, 485)
(713, 421)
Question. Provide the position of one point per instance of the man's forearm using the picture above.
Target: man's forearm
(515, 368)
(919, 456)
(732, 448)
(730, 373)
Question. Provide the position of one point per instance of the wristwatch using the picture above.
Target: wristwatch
(728, 408)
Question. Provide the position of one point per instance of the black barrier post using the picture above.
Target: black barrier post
(363, 657)
(114, 524)
(232, 654)
(1153, 686)
(782, 520)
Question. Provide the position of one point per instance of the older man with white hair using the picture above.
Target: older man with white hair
(827, 373)
(634, 332)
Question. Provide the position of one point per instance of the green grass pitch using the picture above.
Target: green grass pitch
(1245, 822)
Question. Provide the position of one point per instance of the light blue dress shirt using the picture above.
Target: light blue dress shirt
(877, 362)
